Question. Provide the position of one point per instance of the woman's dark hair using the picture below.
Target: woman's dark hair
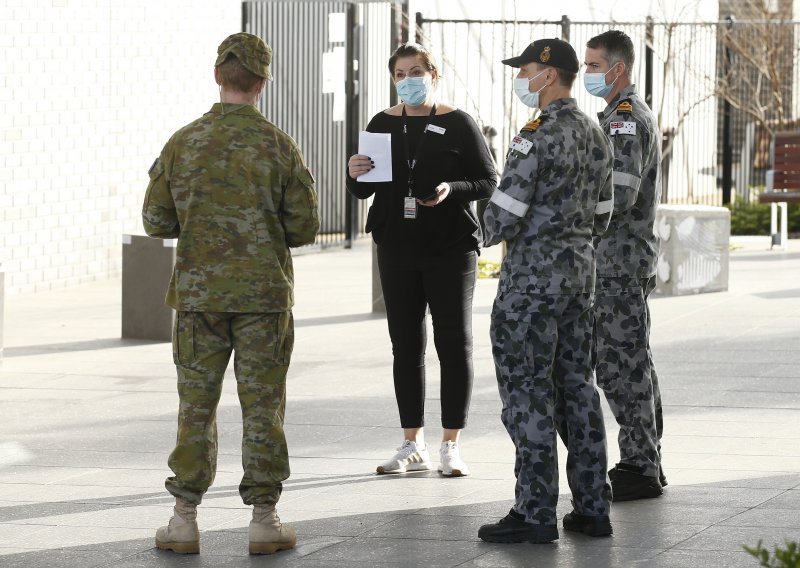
(411, 49)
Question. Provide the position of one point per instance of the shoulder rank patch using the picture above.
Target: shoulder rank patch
(533, 124)
(625, 106)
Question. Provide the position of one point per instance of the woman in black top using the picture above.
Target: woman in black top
(427, 238)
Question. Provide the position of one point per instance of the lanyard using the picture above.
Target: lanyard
(413, 163)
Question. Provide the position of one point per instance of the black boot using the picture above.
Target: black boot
(590, 526)
(628, 483)
(513, 528)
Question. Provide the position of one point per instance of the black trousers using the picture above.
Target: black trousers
(446, 284)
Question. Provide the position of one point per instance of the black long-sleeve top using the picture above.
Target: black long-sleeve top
(459, 157)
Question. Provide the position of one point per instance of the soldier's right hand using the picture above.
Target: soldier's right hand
(359, 165)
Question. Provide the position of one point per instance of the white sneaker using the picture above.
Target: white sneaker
(451, 463)
(409, 457)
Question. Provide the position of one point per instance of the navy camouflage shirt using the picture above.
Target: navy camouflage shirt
(555, 194)
(630, 246)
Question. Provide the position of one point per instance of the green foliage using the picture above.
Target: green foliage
(488, 268)
(753, 218)
(788, 557)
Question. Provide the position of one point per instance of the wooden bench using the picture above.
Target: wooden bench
(783, 185)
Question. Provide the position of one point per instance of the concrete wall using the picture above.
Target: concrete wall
(90, 90)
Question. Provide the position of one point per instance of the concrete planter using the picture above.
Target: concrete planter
(146, 269)
(694, 249)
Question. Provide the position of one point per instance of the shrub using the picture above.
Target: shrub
(788, 557)
(753, 218)
(488, 268)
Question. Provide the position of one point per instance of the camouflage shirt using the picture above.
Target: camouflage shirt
(233, 188)
(555, 194)
(630, 247)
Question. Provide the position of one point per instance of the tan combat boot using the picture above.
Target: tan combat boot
(267, 533)
(181, 534)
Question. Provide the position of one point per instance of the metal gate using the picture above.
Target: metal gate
(319, 98)
(711, 153)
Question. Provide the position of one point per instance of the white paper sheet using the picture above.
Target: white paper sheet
(378, 146)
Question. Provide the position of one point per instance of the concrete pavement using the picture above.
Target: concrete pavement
(87, 421)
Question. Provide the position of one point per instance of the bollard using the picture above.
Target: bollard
(146, 269)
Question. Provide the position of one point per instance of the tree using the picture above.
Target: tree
(757, 51)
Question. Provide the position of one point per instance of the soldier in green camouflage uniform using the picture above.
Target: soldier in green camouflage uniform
(235, 191)
(554, 195)
(627, 255)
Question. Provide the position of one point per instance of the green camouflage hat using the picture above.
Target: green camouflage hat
(250, 50)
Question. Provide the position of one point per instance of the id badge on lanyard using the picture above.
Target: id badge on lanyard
(409, 207)
(410, 202)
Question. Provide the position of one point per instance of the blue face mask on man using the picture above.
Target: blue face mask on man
(527, 97)
(595, 83)
(413, 90)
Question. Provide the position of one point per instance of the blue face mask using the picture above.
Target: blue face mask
(527, 97)
(595, 83)
(413, 90)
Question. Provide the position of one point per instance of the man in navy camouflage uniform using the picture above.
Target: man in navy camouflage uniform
(627, 255)
(555, 194)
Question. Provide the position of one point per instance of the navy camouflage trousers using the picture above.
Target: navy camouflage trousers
(625, 369)
(202, 346)
(542, 352)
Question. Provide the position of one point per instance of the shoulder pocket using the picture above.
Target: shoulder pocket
(305, 177)
(307, 180)
(156, 169)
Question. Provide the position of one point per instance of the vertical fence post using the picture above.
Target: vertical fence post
(351, 121)
(565, 28)
(727, 147)
(649, 38)
(402, 21)
(398, 36)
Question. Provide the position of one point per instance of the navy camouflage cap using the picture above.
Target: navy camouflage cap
(551, 52)
(250, 50)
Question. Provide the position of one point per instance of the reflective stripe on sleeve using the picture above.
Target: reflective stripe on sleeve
(508, 203)
(604, 207)
(621, 178)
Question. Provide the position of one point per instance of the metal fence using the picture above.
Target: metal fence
(330, 78)
(318, 96)
(713, 150)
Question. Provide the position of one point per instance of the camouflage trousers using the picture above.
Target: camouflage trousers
(202, 346)
(625, 369)
(542, 353)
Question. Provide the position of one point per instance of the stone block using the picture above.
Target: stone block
(694, 249)
(146, 269)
